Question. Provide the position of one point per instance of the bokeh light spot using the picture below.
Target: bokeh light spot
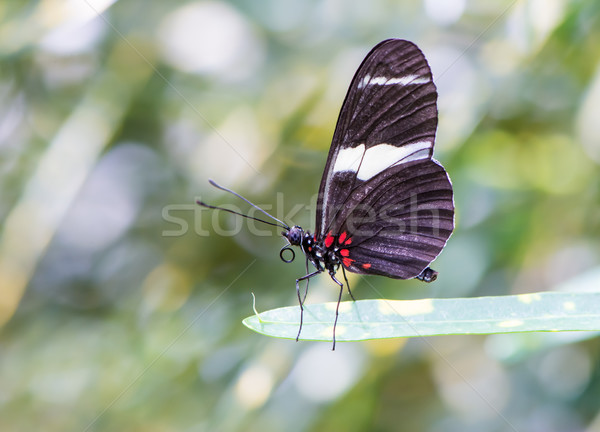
(254, 386)
(322, 375)
(445, 12)
(209, 37)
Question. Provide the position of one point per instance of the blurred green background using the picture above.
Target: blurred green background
(121, 301)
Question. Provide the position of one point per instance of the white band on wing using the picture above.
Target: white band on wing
(405, 80)
(374, 160)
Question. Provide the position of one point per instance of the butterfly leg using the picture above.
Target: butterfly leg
(300, 300)
(307, 282)
(337, 309)
(347, 284)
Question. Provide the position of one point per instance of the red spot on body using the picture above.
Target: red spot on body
(349, 241)
(344, 252)
(347, 261)
(366, 266)
(342, 237)
(310, 248)
(328, 240)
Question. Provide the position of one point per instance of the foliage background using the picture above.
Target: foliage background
(115, 315)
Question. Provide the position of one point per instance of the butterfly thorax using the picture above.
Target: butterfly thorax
(318, 251)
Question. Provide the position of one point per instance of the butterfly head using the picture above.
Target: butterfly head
(294, 235)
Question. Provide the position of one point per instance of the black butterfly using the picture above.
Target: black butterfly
(385, 206)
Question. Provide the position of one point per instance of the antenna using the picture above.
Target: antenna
(203, 204)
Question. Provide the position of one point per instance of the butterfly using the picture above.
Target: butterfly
(385, 205)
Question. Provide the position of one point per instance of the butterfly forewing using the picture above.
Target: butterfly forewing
(381, 186)
(389, 117)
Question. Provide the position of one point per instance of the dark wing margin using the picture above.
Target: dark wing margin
(388, 118)
(399, 221)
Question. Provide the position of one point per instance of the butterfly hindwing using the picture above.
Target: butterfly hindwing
(398, 222)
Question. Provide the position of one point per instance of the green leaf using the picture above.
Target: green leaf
(380, 319)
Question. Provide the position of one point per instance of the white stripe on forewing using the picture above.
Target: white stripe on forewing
(375, 159)
(405, 80)
(348, 159)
